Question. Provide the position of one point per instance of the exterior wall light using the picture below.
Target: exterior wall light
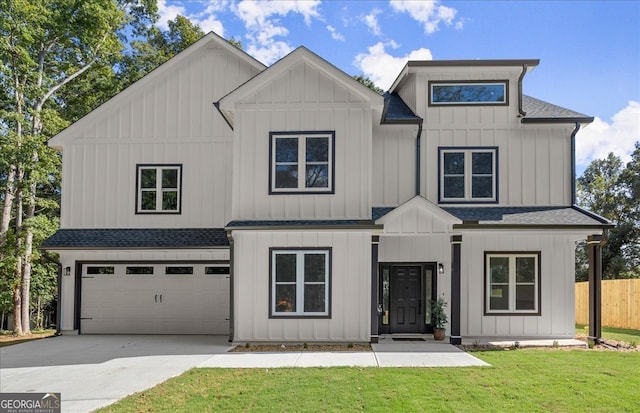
(67, 271)
(440, 268)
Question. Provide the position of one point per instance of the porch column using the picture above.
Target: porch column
(594, 252)
(375, 241)
(456, 244)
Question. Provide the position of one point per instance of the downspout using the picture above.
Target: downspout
(418, 136)
(231, 292)
(573, 163)
(520, 108)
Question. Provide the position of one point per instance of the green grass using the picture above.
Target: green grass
(618, 334)
(528, 380)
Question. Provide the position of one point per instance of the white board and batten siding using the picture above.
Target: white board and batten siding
(394, 160)
(556, 284)
(167, 117)
(302, 98)
(534, 161)
(350, 287)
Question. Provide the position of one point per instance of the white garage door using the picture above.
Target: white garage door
(173, 298)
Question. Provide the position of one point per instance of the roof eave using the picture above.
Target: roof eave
(557, 120)
(530, 63)
(532, 226)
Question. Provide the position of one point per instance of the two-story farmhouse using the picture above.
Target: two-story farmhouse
(291, 203)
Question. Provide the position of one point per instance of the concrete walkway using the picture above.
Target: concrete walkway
(94, 371)
(387, 353)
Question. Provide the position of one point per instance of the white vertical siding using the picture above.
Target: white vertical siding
(394, 160)
(556, 284)
(166, 117)
(350, 287)
(534, 161)
(293, 102)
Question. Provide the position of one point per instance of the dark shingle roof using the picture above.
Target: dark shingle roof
(540, 110)
(547, 216)
(379, 212)
(396, 111)
(138, 238)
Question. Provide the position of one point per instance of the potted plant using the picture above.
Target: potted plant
(439, 318)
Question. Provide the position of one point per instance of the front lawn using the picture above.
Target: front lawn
(525, 380)
(613, 333)
(8, 338)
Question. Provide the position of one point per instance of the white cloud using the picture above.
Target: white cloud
(427, 12)
(383, 68)
(168, 12)
(371, 20)
(335, 35)
(261, 19)
(210, 24)
(600, 138)
(206, 18)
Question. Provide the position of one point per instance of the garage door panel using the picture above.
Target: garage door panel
(122, 303)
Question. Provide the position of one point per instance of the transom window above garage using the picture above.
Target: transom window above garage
(301, 162)
(468, 175)
(158, 189)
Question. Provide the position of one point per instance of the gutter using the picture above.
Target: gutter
(418, 136)
(231, 291)
(573, 163)
(525, 67)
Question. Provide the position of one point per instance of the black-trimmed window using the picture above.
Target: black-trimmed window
(468, 175)
(301, 162)
(300, 282)
(463, 93)
(158, 189)
(512, 283)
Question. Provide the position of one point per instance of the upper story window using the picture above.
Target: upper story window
(468, 93)
(468, 175)
(158, 189)
(512, 283)
(301, 162)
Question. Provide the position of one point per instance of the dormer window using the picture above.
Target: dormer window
(469, 93)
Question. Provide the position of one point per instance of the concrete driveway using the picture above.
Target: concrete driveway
(92, 371)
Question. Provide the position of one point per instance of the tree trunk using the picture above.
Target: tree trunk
(39, 313)
(28, 252)
(7, 205)
(17, 311)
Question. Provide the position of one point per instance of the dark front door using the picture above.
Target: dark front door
(405, 299)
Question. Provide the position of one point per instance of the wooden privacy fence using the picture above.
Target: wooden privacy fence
(620, 303)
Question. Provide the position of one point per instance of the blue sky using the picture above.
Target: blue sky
(589, 51)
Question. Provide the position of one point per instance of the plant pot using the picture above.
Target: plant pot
(438, 334)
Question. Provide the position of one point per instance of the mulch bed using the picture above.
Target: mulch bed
(294, 347)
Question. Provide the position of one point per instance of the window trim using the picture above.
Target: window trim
(328, 282)
(433, 83)
(158, 167)
(512, 284)
(468, 175)
(301, 165)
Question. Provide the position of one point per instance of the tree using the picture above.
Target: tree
(45, 46)
(612, 190)
(156, 48)
(368, 83)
